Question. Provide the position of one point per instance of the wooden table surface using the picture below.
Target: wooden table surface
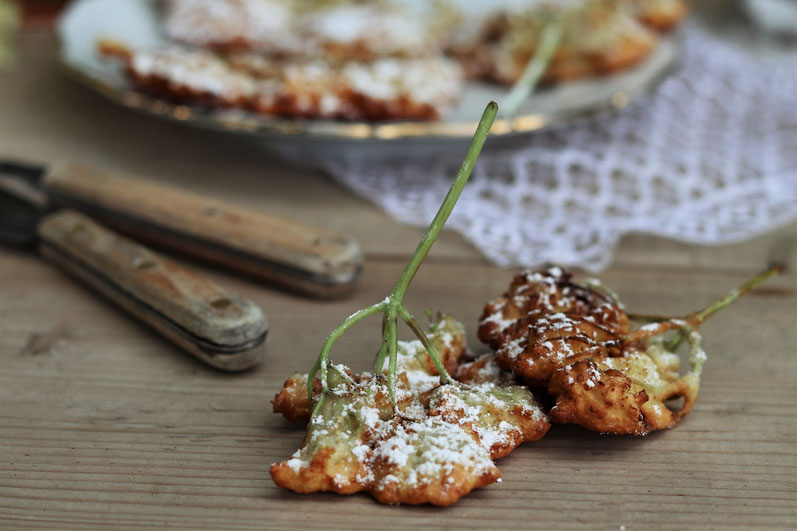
(103, 424)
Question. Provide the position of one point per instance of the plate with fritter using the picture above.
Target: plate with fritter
(380, 71)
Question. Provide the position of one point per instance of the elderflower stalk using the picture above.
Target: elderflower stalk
(9, 25)
(393, 307)
(700, 317)
(686, 327)
(659, 324)
(547, 45)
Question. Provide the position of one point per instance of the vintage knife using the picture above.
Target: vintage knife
(283, 252)
(221, 329)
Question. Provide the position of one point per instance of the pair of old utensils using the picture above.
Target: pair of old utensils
(220, 328)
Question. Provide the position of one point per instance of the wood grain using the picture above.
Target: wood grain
(146, 437)
(108, 426)
(212, 323)
(276, 249)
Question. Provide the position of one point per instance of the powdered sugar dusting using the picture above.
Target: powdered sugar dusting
(441, 444)
(429, 450)
(193, 70)
(305, 86)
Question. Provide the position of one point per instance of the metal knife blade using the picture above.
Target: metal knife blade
(21, 207)
(18, 220)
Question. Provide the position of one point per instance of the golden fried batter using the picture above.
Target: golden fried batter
(575, 343)
(354, 443)
(483, 370)
(546, 321)
(382, 89)
(600, 400)
(429, 461)
(416, 374)
(499, 417)
(331, 457)
(392, 61)
(598, 38)
(438, 448)
(292, 400)
(626, 394)
(662, 15)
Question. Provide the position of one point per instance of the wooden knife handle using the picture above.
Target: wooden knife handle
(196, 314)
(278, 250)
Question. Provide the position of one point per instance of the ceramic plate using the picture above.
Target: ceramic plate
(135, 22)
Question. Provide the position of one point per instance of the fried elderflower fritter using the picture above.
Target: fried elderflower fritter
(416, 377)
(376, 432)
(437, 448)
(662, 15)
(545, 321)
(627, 394)
(332, 457)
(574, 342)
(428, 461)
(499, 417)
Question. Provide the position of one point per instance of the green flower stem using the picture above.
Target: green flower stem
(448, 203)
(9, 26)
(322, 361)
(393, 306)
(692, 322)
(382, 353)
(392, 352)
(698, 318)
(538, 64)
(732, 295)
(418, 331)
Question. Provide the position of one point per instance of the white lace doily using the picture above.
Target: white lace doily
(709, 158)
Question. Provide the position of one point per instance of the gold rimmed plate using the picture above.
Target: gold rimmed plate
(136, 23)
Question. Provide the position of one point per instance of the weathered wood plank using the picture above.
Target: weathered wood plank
(111, 426)
(104, 425)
